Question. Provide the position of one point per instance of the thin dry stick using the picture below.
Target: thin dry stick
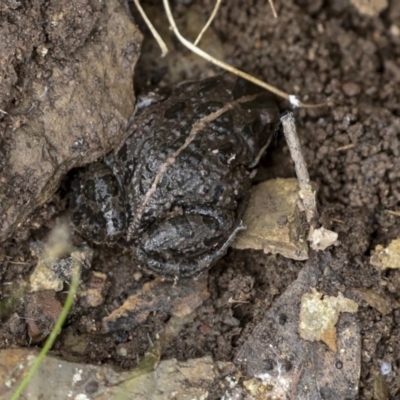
(291, 98)
(306, 192)
(196, 128)
(395, 213)
(213, 14)
(347, 147)
(272, 5)
(161, 43)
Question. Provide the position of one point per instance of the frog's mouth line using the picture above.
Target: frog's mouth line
(186, 267)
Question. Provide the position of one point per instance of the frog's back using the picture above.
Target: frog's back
(213, 169)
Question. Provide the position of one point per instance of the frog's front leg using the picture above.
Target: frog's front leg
(97, 204)
(187, 244)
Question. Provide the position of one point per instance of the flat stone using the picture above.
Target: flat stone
(351, 89)
(274, 222)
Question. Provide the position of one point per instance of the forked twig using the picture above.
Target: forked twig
(208, 23)
(291, 98)
(214, 13)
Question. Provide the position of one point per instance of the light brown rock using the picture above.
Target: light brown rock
(273, 220)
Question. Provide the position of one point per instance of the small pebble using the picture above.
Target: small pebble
(231, 321)
(282, 221)
(351, 89)
(394, 30)
(386, 368)
(205, 329)
(137, 276)
(122, 351)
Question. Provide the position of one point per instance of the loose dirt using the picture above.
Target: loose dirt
(322, 52)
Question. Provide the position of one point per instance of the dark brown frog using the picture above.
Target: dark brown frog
(177, 195)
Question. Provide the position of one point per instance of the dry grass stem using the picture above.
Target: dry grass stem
(208, 23)
(19, 263)
(291, 98)
(395, 213)
(161, 43)
(272, 5)
(346, 147)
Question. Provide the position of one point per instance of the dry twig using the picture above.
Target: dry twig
(208, 23)
(395, 213)
(161, 43)
(272, 5)
(346, 147)
(319, 237)
(294, 101)
(306, 193)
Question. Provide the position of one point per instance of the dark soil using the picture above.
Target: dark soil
(322, 51)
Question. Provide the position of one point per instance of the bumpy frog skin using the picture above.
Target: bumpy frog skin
(187, 223)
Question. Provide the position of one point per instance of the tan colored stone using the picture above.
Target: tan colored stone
(273, 220)
(370, 7)
(388, 257)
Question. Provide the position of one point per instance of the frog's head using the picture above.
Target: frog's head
(187, 244)
(97, 206)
